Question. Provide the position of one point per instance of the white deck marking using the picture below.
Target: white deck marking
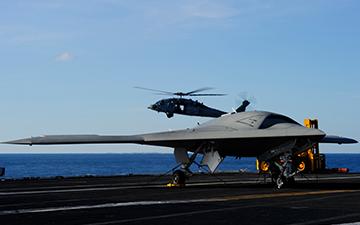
(82, 188)
(106, 205)
(191, 213)
(75, 190)
(71, 189)
(356, 223)
(329, 178)
(147, 203)
(329, 219)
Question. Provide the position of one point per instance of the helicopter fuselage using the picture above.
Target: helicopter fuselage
(185, 106)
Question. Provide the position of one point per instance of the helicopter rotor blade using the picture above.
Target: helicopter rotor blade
(181, 94)
(243, 97)
(199, 90)
(159, 91)
(164, 94)
(207, 94)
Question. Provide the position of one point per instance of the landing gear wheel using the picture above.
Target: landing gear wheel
(169, 115)
(275, 175)
(290, 181)
(179, 178)
(282, 181)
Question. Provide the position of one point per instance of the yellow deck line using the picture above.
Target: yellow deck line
(289, 194)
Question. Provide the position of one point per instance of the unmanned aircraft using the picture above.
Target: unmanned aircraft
(271, 137)
(186, 106)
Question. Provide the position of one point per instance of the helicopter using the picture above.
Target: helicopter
(187, 106)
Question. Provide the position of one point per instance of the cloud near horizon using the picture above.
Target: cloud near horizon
(209, 10)
(64, 57)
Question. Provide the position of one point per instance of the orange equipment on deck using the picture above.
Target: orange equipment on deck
(309, 161)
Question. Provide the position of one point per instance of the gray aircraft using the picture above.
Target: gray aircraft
(270, 137)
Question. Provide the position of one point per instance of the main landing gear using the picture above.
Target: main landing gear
(283, 171)
(169, 114)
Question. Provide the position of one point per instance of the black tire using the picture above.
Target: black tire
(179, 177)
(290, 182)
(169, 115)
(275, 172)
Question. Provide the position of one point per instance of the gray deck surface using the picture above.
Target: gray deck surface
(230, 198)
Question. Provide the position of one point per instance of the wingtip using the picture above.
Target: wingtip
(25, 141)
(350, 141)
(338, 140)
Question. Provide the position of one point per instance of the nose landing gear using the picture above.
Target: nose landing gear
(178, 179)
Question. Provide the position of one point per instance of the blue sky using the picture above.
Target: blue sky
(69, 67)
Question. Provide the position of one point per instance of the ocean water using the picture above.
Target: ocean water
(67, 165)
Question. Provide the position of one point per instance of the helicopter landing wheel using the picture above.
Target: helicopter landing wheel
(169, 115)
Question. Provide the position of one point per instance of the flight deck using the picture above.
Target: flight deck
(227, 198)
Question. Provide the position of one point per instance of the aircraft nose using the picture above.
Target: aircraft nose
(152, 107)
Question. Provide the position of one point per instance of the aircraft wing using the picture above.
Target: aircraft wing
(77, 139)
(223, 137)
(139, 139)
(332, 139)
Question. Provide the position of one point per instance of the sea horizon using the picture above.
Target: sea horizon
(43, 165)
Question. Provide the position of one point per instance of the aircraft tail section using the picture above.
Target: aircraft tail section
(243, 106)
